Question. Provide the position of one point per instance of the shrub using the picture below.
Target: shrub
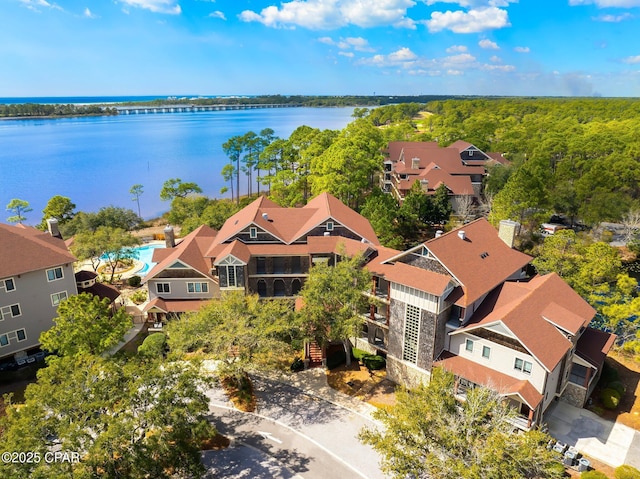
(593, 475)
(134, 281)
(626, 472)
(610, 398)
(153, 346)
(358, 354)
(297, 365)
(618, 386)
(138, 297)
(374, 362)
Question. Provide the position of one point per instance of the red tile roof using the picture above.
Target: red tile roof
(25, 249)
(175, 305)
(465, 258)
(191, 251)
(533, 311)
(458, 185)
(484, 376)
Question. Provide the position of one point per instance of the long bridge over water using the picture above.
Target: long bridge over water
(144, 110)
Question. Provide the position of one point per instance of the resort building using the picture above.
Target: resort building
(36, 273)
(460, 167)
(465, 300)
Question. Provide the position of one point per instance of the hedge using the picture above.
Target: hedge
(374, 362)
(626, 472)
(593, 475)
(610, 398)
(153, 345)
(618, 386)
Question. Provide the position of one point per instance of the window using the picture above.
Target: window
(57, 297)
(521, 365)
(231, 276)
(411, 333)
(21, 334)
(54, 274)
(13, 310)
(486, 352)
(9, 284)
(163, 288)
(197, 287)
(262, 288)
(4, 340)
(329, 225)
(469, 346)
(253, 232)
(279, 288)
(261, 265)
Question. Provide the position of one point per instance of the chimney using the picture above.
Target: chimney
(508, 231)
(439, 233)
(265, 216)
(169, 237)
(424, 184)
(461, 235)
(52, 225)
(415, 163)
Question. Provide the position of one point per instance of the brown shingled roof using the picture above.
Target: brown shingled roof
(191, 251)
(523, 308)
(175, 305)
(484, 376)
(465, 258)
(594, 345)
(25, 249)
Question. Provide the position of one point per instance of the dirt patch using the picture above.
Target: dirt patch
(217, 442)
(628, 411)
(356, 380)
(240, 393)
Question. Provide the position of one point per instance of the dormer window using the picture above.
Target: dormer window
(415, 163)
(329, 225)
(253, 232)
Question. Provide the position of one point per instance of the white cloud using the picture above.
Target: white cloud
(34, 4)
(501, 68)
(488, 45)
(522, 49)
(613, 18)
(607, 3)
(472, 21)
(458, 59)
(403, 57)
(330, 14)
(455, 72)
(357, 43)
(632, 60)
(87, 13)
(346, 54)
(475, 3)
(495, 59)
(157, 6)
(217, 14)
(456, 49)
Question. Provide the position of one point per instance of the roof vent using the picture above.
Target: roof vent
(439, 233)
(265, 216)
(462, 235)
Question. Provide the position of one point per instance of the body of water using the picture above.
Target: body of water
(95, 160)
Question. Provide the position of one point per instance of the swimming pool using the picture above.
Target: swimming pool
(145, 254)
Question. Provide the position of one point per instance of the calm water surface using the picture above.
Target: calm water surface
(95, 160)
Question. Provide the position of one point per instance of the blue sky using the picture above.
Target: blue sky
(324, 47)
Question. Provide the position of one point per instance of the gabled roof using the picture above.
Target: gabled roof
(101, 290)
(290, 224)
(394, 148)
(484, 376)
(406, 274)
(526, 308)
(25, 249)
(190, 251)
(457, 184)
(447, 159)
(480, 262)
(174, 305)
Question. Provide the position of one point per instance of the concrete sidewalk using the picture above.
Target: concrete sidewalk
(609, 442)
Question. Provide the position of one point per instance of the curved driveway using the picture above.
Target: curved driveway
(293, 433)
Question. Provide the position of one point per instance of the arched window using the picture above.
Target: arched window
(296, 286)
(278, 288)
(262, 288)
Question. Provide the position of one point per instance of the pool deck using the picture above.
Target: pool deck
(136, 270)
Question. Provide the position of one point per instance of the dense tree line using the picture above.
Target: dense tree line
(20, 110)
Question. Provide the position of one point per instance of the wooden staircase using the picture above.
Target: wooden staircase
(314, 353)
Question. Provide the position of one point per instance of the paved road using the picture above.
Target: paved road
(292, 434)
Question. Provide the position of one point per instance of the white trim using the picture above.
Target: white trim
(168, 285)
(3, 283)
(201, 283)
(54, 269)
(58, 294)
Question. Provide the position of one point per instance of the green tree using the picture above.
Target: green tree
(136, 191)
(85, 324)
(428, 433)
(60, 208)
(333, 299)
(381, 211)
(111, 245)
(123, 419)
(19, 208)
(175, 188)
(240, 331)
(233, 149)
